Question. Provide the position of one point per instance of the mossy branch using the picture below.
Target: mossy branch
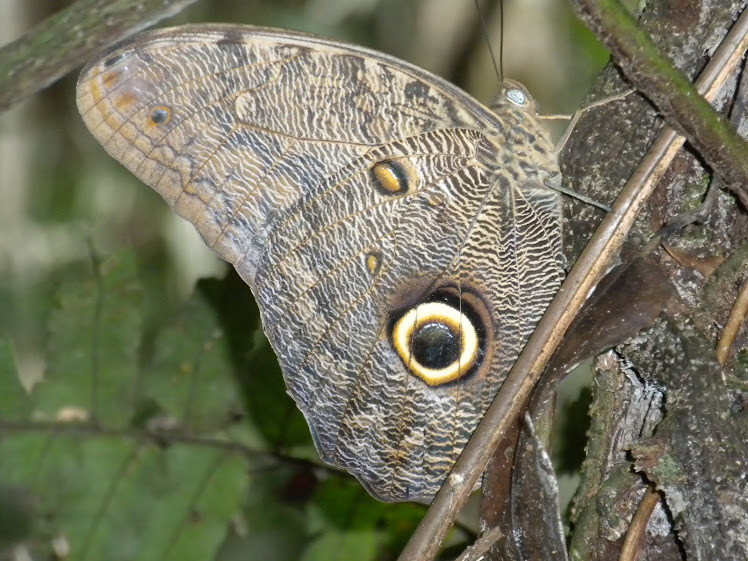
(670, 90)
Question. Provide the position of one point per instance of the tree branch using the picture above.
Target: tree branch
(651, 71)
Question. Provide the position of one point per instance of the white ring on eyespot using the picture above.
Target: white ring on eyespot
(436, 312)
(516, 96)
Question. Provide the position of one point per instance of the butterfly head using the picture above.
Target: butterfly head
(513, 96)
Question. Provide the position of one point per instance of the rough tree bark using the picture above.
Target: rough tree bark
(665, 412)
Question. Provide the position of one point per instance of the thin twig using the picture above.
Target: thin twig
(733, 325)
(606, 242)
(635, 535)
(481, 545)
(69, 38)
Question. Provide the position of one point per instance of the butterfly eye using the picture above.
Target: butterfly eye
(437, 342)
(393, 177)
(516, 96)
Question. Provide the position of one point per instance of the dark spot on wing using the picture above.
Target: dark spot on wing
(230, 39)
(417, 90)
(111, 61)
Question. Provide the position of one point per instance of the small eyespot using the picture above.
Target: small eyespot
(437, 342)
(516, 96)
(160, 115)
(373, 261)
(393, 177)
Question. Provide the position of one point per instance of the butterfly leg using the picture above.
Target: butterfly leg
(579, 112)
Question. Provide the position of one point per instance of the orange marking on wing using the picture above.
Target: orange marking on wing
(108, 117)
(109, 80)
(125, 101)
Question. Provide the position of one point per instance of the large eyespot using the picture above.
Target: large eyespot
(437, 342)
(394, 177)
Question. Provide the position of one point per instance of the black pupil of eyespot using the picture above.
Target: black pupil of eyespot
(159, 116)
(398, 171)
(435, 345)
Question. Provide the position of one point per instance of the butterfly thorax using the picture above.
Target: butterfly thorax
(532, 159)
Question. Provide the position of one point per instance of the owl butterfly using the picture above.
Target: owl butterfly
(399, 237)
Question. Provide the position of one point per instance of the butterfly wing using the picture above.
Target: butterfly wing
(348, 188)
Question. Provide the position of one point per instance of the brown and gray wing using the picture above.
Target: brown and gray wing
(266, 142)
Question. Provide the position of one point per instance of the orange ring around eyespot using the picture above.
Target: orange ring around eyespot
(159, 115)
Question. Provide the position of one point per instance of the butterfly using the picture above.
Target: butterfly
(401, 239)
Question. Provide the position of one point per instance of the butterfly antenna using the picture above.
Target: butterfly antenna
(484, 26)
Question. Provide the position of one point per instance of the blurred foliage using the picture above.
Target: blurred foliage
(136, 444)
(142, 412)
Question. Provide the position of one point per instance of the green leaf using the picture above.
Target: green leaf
(344, 507)
(94, 335)
(359, 544)
(114, 456)
(272, 531)
(187, 373)
(119, 498)
(272, 411)
(171, 436)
